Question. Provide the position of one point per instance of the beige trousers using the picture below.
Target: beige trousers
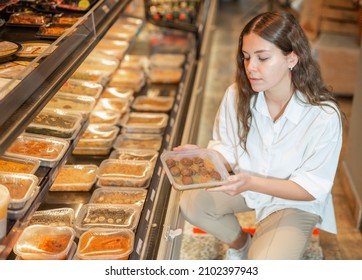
(283, 235)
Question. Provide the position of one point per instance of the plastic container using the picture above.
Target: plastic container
(4, 202)
(118, 92)
(105, 244)
(134, 62)
(16, 214)
(153, 104)
(79, 177)
(28, 19)
(52, 30)
(158, 75)
(167, 60)
(92, 151)
(20, 187)
(41, 242)
(115, 48)
(53, 217)
(79, 87)
(56, 123)
(18, 165)
(71, 103)
(134, 154)
(118, 195)
(138, 141)
(141, 122)
(97, 61)
(98, 136)
(49, 150)
(124, 173)
(91, 75)
(192, 169)
(120, 105)
(108, 117)
(114, 216)
(133, 79)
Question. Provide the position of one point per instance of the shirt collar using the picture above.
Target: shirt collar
(293, 111)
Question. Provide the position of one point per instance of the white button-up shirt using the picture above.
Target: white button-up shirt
(303, 145)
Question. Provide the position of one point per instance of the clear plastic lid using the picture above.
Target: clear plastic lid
(118, 92)
(106, 216)
(167, 60)
(119, 105)
(33, 19)
(108, 117)
(79, 87)
(92, 151)
(134, 154)
(90, 75)
(42, 242)
(153, 104)
(20, 187)
(138, 141)
(97, 61)
(116, 48)
(53, 217)
(134, 62)
(158, 75)
(49, 150)
(134, 79)
(196, 168)
(77, 177)
(142, 122)
(105, 244)
(98, 136)
(119, 195)
(125, 173)
(18, 165)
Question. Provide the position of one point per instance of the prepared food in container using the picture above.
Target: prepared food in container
(160, 75)
(167, 60)
(20, 187)
(53, 217)
(98, 136)
(134, 154)
(119, 195)
(8, 49)
(97, 61)
(90, 75)
(105, 244)
(18, 165)
(92, 151)
(196, 168)
(55, 123)
(67, 19)
(28, 19)
(153, 104)
(115, 48)
(123, 32)
(142, 122)
(134, 62)
(93, 215)
(16, 214)
(49, 150)
(125, 173)
(156, 91)
(16, 69)
(118, 92)
(34, 49)
(75, 177)
(133, 79)
(42, 242)
(72, 103)
(108, 117)
(52, 30)
(120, 105)
(78, 87)
(138, 141)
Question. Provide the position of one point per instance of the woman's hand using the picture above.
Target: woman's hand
(238, 184)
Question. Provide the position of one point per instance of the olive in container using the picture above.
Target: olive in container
(42, 242)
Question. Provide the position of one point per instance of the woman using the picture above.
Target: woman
(279, 131)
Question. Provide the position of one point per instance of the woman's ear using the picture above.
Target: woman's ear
(292, 60)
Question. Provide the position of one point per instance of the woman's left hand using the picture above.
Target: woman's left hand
(237, 185)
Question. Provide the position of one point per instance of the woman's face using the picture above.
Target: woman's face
(266, 66)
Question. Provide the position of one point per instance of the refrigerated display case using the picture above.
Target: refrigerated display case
(153, 235)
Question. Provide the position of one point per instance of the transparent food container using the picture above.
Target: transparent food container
(106, 216)
(134, 154)
(18, 165)
(79, 87)
(153, 104)
(53, 217)
(120, 105)
(138, 141)
(56, 123)
(108, 117)
(167, 60)
(105, 244)
(91, 75)
(158, 75)
(134, 62)
(97, 61)
(125, 173)
(78, 177)
(98, 136)
(49, 150)
(20, 186)
(115, 48)
(28, 19)
(119, 195)
(133, 79)
(192, 169)
(142, 122)
(118, 92)
(42, 242)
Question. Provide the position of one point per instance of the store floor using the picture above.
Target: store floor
(231, 17)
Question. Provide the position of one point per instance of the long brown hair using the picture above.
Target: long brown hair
(283, 30)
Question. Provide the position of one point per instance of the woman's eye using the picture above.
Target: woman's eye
(263, 58)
